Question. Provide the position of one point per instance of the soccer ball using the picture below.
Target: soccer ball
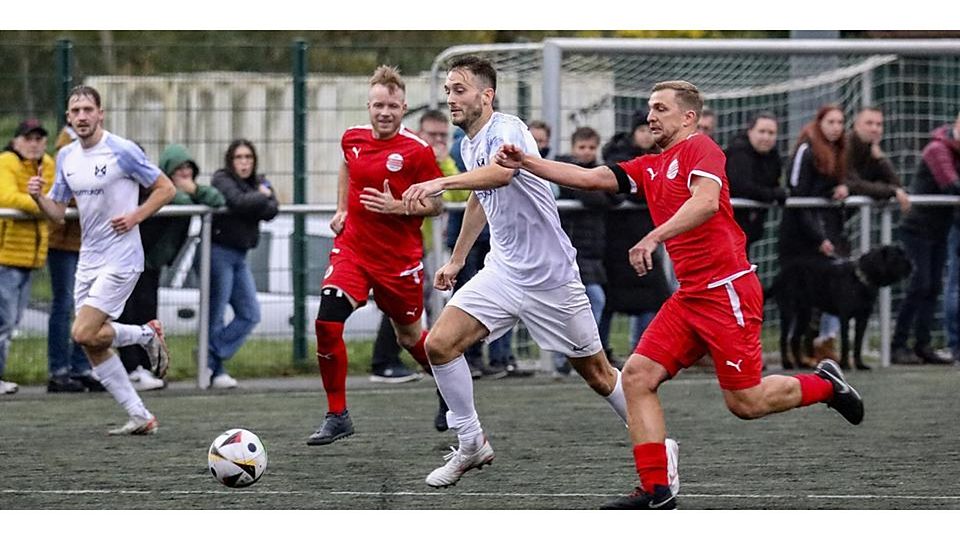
(237, 458)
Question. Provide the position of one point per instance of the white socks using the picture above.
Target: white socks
(114, 378)
(456, 386)
(131, 334)
(617, 400)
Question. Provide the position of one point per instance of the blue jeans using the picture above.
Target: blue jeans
(639, 324)
(928, 256)
(598, 299)
(64, 356)
(231, 282)
(14, 295)
(951, 296)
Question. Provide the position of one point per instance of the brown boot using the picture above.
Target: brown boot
(825, 349)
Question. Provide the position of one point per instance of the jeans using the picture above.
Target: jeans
(598, 299)
(829, 326)
(64, 356)
(928, 256)
(951, 296)
(231, 282)
(14, 295)
(639, 324)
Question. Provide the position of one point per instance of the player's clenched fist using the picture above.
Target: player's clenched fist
(641, 255)
(414, 196)
(446, 276)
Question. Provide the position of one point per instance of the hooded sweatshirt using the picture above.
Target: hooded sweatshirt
(938, 174)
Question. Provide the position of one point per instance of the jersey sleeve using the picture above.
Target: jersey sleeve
(60, 192)
(134, 162)
(635, 171)
(707, 160)
(428, 169)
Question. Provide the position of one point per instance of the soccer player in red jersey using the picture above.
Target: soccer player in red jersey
(378, 245)
(718, 308)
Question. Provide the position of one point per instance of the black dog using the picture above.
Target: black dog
(847, 289)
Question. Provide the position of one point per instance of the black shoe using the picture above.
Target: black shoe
(91, 384)
(846, 400)
(929, 356)
(335, 426)
(494, 371)
(64, 384)
(440, 421)
(661, 499)
(904, 357)
(394, 374)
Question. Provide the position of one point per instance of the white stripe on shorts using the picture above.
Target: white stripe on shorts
(734, 302)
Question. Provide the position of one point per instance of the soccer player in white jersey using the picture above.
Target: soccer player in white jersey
(530, 273)
(104, 172)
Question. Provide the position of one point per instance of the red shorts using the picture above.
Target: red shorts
(398, 294)
(724, 321)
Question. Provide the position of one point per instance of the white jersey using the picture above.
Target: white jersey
(105, 180)
(527, 245)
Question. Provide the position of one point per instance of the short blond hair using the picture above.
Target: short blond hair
(687, 94)
(388, 76)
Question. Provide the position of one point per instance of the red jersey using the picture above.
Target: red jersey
(387, 243)
(713, 252)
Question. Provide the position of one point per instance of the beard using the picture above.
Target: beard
(469, 116)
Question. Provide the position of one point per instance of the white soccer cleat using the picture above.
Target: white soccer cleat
(458, 463)
(137, 426)
(157, 350)
(673, 462)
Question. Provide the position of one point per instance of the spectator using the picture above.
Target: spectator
(753, 168)
(541, 133)
(707, 124)
(923, 233)
(250, 200)
(871, 173)
(818, 169)
(162, 238)
(640, 297)
(67, 364)
(587, 228)
(951, 293)
(23, 243)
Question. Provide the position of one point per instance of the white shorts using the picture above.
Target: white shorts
(559, 320)
(105, 290)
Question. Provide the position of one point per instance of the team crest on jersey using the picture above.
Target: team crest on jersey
(673, 169)
(100, 170)
(394, 162)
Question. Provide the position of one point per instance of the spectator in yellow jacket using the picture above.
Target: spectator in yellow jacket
(23, 242)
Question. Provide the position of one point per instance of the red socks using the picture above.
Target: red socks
(651, 462)
(419, 353)
(814, 389)
(332, 359)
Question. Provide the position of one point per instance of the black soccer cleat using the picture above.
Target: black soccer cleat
(846, 400)
(661, 499)
(335, 426)
(440, 421)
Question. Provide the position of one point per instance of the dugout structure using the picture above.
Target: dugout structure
(600, 83)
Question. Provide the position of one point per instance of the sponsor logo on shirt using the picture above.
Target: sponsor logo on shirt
(100, 170)
(394, 162)
(673, 169)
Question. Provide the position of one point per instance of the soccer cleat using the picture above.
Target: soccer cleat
(458, 463)
(137, 426)
(673, 462)
(335, 426)
(845, 400)
(440, 421)
(157, 350)
(660, 499)
(394, 375)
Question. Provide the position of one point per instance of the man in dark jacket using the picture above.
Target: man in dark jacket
(871, 173)
(923, 233)
(587, 228)
(162, 238)
(753, 168)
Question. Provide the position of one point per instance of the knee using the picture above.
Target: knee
(407, 341)
(638, 375)
(440, 348)
(84, 337)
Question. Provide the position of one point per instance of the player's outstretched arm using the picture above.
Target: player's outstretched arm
(489, 176)
(564, 174)
(383, 202)
(161, 192)
(474, 219)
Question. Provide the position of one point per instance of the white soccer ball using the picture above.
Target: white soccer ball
(237, 458)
